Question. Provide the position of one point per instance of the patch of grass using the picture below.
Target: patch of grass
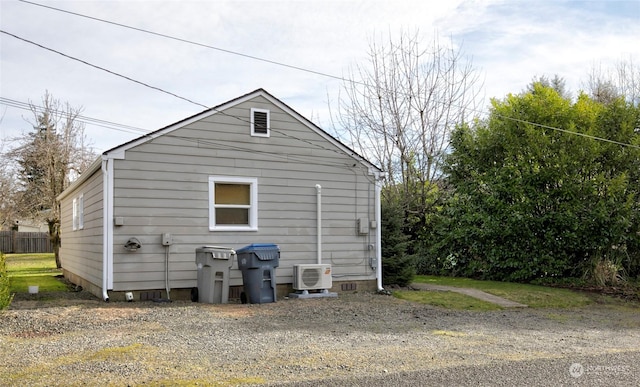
(26, 264)
(450, 300)
(118, 354)
(25, 270)
(449, 333)
(532, 295)
(5, 288)
(46, 283)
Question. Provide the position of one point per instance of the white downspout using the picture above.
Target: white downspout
(106, 230)
(378, 185)
(166, 270)
(319, 221)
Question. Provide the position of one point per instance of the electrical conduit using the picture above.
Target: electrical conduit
(319, 221)
(378, 185)
(107, 230)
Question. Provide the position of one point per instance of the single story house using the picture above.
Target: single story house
(251, 170)
(31, 225)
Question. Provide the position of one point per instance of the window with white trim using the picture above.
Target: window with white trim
(81, 211)
(78, 213)
(233, 203)
(260, 122)
(75, 214)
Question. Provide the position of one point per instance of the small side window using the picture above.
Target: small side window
(78, 213)
(75, 214)
(81, 211)
(260, 123)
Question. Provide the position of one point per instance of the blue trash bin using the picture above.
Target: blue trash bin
(258, 262)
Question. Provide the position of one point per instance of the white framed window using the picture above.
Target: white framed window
(78, 213)
(75, 214)
(260, 122)
(233, 203)
(81, 211)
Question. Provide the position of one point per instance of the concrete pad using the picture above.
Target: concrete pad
(306, 294)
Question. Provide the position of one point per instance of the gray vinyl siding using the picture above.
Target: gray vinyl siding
(161, 186)
(81, 250)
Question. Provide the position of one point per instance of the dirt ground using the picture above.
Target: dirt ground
(355, 339)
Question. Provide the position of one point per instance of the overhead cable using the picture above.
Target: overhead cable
(82, 118)
(103, 69)
(189, 42)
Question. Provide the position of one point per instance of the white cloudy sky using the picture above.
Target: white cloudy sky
(509, 42)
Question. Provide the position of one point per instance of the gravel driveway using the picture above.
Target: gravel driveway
(356, 340)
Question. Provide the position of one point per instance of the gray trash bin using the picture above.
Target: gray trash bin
(213, 263)
(257, 263)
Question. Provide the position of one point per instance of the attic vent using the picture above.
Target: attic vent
(260, 122)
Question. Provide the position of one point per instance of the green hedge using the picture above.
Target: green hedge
(5, 294)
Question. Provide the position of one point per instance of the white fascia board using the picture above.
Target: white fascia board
(220, 110)
(322, 133)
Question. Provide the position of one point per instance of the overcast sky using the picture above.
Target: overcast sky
(509, 42)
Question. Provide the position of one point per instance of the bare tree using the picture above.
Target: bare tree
(623, 80)
(401, 106)
(46, 160)
(7, 193)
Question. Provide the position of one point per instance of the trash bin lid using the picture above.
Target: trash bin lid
(215, 252)
(214, 248)
(264, 251)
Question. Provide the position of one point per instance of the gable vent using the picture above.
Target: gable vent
(259, 122)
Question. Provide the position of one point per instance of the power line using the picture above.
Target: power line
(567, 131)
(147, 85)
(190, 42)
(254, 58)
(102, 68)
(220, 145)
(87, 120)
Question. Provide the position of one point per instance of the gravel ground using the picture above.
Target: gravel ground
(356, 340)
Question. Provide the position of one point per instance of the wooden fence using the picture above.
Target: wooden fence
(25, 242)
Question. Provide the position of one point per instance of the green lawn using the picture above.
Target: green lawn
(532, 295)
(25, 270)
(449, 300)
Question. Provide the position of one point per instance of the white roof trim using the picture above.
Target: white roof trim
(119, 150)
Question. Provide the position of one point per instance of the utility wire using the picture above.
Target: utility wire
(220, 145)
(150, 86)
(81, 118)
(190, 42)
(567, 131)
(103, 69)
(254, 58)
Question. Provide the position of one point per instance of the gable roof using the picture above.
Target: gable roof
(119, 150)
(236, 101)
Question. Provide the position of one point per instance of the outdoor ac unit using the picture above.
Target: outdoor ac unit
(310, 277)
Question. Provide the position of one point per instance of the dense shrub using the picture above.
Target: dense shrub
(398, 266)
(5, 294)
(530, 202)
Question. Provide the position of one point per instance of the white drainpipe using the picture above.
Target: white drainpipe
(106, 231)
(378, 190)
(319, 220)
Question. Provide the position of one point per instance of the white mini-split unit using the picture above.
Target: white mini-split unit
(312, 277)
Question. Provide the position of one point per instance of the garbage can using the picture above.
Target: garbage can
(257, 263)
(213, 263)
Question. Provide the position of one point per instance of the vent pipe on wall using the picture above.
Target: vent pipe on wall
(378, 190)
(319, 220)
